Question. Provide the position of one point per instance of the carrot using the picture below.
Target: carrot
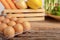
(11, 4)
(15, 3)
(6, 5)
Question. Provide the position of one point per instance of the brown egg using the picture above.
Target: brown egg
(9, 32)
(18, 28)
(8, 16)
(20, 21)
(13, 19)
(3, 26)
(11, 23)
(26, 26)
(0, 22)
(6, 20)
(2, 18)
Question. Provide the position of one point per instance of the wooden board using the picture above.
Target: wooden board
(23, 10)
(27, 14)
(34, 19)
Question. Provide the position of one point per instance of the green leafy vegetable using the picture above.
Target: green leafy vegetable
(53, 7)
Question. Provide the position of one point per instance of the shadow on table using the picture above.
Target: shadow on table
(49, 19)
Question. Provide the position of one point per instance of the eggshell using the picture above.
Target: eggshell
(18, 28)
(9, 32)
(12, 23)
(26, 26)
(20, 21)
(8, 16)
(2, 18)
(0, 22)
(13, 19)
(3, 26)
(6, 20)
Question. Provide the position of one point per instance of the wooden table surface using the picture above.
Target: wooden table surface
(46, 30)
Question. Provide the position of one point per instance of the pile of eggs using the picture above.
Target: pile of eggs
(12, 26)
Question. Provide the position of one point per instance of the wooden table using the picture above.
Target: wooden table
(47, 30)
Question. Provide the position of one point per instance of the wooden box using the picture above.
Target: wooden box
(27, 14)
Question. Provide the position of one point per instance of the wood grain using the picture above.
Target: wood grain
(27, 15)
(23, 10)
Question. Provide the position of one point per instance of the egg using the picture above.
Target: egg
(13, 19)
(12, 23)
(2, 18)
(18, 28)
(20, 21)
(26, 26)
(8, 16)
(9, 32)
(3, 26)
(0, 22)
(6, 20)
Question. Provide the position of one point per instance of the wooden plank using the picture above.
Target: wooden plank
(23, 10)
(34, 19)
(27, 15)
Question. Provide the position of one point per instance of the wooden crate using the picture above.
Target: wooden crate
(27, 14)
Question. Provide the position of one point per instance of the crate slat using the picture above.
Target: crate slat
(34, 19)
(23, 10)
(27, 15)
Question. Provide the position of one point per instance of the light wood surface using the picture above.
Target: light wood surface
(32, 19)
(24, 10)
(27, 14)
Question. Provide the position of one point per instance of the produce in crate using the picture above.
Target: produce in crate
(20, 4)
(6, 5)
(11, 4)
(56, 10)
(9, 32)
(34, 4)
(53, 7)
